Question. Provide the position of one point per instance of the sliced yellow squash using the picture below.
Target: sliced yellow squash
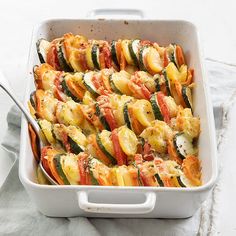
(143, 112)
(172, 72)
(128, 140)
(183, 73)
(89, 57)
(46, 127)
(106, 141)
(119, 177)
(121, 80)
(125, 49)
(154, 60)
(73, 60)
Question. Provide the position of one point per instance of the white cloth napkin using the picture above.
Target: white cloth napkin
(19, 216)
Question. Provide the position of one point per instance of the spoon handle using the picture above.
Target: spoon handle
(4, 84)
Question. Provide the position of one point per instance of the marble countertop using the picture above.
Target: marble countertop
(215, 20)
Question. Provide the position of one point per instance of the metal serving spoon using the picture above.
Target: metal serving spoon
(4, 84)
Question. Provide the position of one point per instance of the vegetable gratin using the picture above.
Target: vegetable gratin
(115, 113)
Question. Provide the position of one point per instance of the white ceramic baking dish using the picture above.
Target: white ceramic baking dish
(145, 202)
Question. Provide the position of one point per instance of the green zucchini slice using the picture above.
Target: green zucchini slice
(87, 80)
(67, 91)
(183, 145)
(187, 96)
(134, 50)
(114, 53)
(156, 108)
(42, 46)
(113, 86)
(102, 117)
(126, 115)
(142, 57)
(159, 180)
(95, 56)
(61, 57)
(102, 147)
(57, 163)
(75, 147)
(167, 83)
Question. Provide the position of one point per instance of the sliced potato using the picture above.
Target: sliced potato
(74, 60)
(89, 57)
(46, 127)
(69, 164)
(154, 60)
(88, 98)
(76, 134)
(183, 73)
(119, 177)
(69, 113)
(143, 112)
(128, 140)
(121, 80)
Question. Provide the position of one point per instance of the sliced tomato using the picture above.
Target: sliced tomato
(82, 59)
(189, 77)
(165, 59)
(65, 141)
(34, 141)
(147, 180)
(179, 55)
(119, 154)
(102, 60)
(164, 109)
(178, 88)
(52, 58)
(138, 158)
(82, 163)
(98, 84)
(145, 43)
(167, 181)
(147, 152)
(107, 56)
(45, 161)
(106, 83)
(58, 90)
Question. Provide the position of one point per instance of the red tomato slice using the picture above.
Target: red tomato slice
(107, 56)
(110, 118)
(58, 90)
(138, 159)
(147, 180)
(147, 152)
(119, 154)
(98, 84)
(34, 143)
(65, 141)
(102, 60)
(52, 58)
(179, 55)
(82, 163)
(163, 107)
(165, 58)
(45, 161)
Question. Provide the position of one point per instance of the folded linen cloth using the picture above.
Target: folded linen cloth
(19, 216)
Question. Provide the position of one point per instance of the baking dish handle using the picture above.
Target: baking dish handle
(104, 12)
(140, 208)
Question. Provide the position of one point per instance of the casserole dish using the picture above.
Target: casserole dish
(108, 201)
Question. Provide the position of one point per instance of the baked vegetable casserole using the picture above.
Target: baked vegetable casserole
(115, 113)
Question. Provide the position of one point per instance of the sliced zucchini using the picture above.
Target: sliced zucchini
(126, 51)
(47, 128)
(183, 145)
(167, 83)
(114, 54)
(65, 66)
(156, 107)
(113, 86)
(67, 91)
(57, 163)
(75, 147)
(103, 148)
(142, 57)
(134, 50)
(42, 49)
(87, 80)
(187, 96)
(126, 115)
(157, 79)
(159, 180)
(95, 56)
(102, 117)
(32, 100)
(182, 181)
